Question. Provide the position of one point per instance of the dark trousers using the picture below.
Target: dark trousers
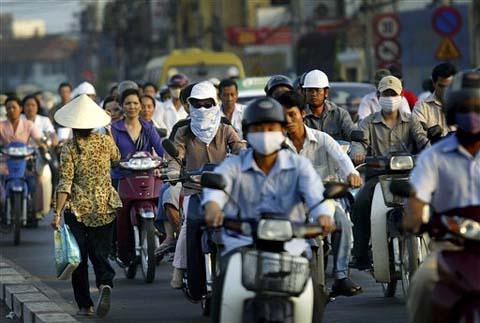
(94, 243)
(361, 220)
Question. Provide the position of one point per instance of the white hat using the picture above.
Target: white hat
(82, 113)
(203, 90)
(84, 88)
(316, 79)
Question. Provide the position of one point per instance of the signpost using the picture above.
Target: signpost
(387, 26)
(388, 50)
(387, 29)
(447, 22)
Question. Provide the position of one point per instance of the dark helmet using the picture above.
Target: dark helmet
(463, 95)
(277, 80)
(178, 80)
(262, 110)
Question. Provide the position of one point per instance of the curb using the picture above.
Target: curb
(23, 296)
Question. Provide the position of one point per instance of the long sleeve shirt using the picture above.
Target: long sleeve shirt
(150, 137)
(195, 153)
(334, 120)
(325, 154)
(407, 135)
(430, 113)
(85, 177)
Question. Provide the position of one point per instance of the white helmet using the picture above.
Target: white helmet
(316, 79)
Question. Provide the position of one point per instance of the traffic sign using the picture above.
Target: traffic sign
(387, 26)
(388, 50)
(446, 21)
(447, 50)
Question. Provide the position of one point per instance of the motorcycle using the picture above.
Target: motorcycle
(19, 205)
(263, 282)
(47, 169)
(201, 251)
(456, 296)
(139, 192)
(396, 255)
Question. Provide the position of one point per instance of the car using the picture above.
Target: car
(251, 88)
(348, 95)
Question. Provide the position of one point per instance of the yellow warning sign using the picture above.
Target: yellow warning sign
(447, 50)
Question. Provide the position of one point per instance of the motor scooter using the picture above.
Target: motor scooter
(201, 253)
(139, 191)
(396, 255)
(264, 281)
(18, 206)
(456, 296)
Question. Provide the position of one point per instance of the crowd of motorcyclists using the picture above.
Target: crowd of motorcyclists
(280, 158)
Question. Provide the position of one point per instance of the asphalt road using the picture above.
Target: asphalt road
(135, 301)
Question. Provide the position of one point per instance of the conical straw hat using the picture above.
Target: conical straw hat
(82, 113)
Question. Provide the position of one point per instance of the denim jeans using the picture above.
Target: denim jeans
(342, 240)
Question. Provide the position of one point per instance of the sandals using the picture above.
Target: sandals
(345, 287)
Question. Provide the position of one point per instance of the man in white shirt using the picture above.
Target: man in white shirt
(172, 110)
(324, 152)
(230, 108)
(369, 103)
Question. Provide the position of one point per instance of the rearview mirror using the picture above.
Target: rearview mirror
(213, 180)
(335, 190)
(170, 148)
(357, 136)
(162, 132)
(401, 188)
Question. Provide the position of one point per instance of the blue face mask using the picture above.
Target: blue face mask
(468, 122)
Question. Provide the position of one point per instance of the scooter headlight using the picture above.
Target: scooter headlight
(466, 228)
(18, 151)
(140, 164)
(274, 230)
(401, 163)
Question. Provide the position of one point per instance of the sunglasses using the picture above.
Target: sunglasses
(202, 104)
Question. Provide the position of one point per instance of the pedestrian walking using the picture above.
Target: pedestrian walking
(87, 198)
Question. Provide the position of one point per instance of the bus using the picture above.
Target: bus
(196, 63)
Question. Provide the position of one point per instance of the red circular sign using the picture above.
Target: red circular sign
(446, 21)
(388, 50)
(387, 26)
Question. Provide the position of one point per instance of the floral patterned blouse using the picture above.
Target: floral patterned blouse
(85, 177)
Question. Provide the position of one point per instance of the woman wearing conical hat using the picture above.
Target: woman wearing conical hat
(87, 198)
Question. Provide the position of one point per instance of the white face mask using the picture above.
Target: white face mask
(205, 122)
(175, 93)
(266, 143)
(390, 103)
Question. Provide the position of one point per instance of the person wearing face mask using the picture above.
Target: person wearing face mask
(205, 139)
(172, 110)
(266, 179)
(429, 111)
(369, 103)
(446, 177)
(386, 131)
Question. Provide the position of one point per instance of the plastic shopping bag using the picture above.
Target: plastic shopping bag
(67, 253)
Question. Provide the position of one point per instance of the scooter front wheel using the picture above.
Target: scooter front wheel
(147, 254)
(16, 212)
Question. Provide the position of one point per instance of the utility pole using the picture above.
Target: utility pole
(368, 43)
(297, 23)
(476, 33)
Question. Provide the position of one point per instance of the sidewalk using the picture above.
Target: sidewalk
(28, 299)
